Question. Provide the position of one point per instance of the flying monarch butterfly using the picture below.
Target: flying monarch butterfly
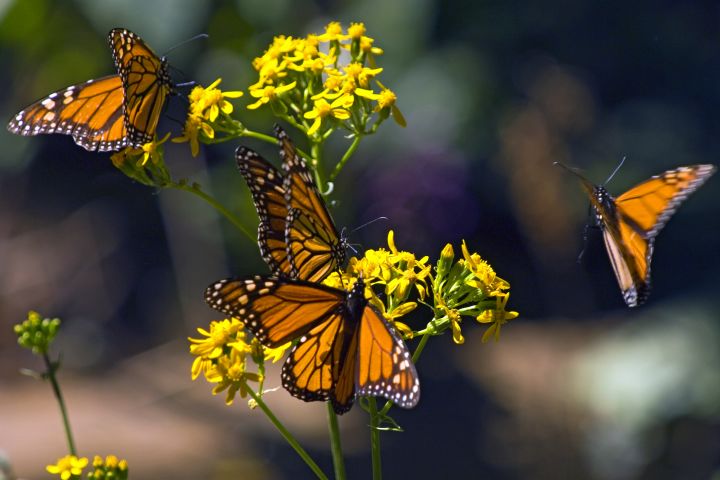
(345, 348)
(296, 234)
(631, 222)
(107, 113)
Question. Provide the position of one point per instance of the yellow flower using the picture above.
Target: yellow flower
(484, 275)
(220, 335)
(322, 109)
(356, 30)
(361, 74)
(497, 317)
(275, 354)
(209, 102)
(333, 32)
(195, 126)
(229, 373)
(68, 466)
(272, 71)
(268, 94)
(397, 312)
(151, 151)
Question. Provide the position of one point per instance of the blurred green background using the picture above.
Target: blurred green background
(578, 387)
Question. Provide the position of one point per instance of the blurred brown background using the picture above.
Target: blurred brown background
(493, 92)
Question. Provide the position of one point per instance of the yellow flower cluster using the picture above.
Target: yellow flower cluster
(206, 104)
(470, 287)
(317, 86)
(112, 468)
(397, 272)
(222, 357)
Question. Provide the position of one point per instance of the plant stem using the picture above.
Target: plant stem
(351, 149)
(316, 154)
(375, 440)
(335, 446)
(287, 435)
(215, 204)
(63, 410)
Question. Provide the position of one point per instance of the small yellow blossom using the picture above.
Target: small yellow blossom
(275, 354)
(220, 335)
(195, 126)
(362, 75)
(333, 32)
(268, 94)
(68, 466)
(209, 102)
(151, 151)
(498, 317)
(230, 374)
(322, 109)
(484, 275)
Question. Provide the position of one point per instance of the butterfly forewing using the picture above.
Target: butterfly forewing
(274, 309)
(302, 195)
(146, 84)
(266, 187)
(91, 112)
(649, 205)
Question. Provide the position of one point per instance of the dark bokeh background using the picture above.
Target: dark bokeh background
(493, 92)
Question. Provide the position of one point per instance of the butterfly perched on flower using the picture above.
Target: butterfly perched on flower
(631, 222)
(345, 346)
(107, 113)
(296, 234)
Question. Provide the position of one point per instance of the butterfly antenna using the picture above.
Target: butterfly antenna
(192, 39)
(615, 171)
(368, 223)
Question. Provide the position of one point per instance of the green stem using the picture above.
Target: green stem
(351, 149)
(316, 154)
(194, 189)
(63, 410)
(335, 446)
(259, 136)
(375, 440)
(286, 434)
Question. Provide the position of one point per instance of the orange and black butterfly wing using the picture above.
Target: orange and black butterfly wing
(278, 310)
(312, 220)
(315, 365)
(634, 219)
(275, 310)
(384, 366)
(266, 186)
(146, 84)
(91, 112)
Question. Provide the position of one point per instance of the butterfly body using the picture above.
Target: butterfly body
(345, 347)
(108, 113)
(631, 222)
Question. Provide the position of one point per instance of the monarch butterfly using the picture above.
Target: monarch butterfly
(107, 113)
(345, 345)
(296, 234)
(631, 222)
